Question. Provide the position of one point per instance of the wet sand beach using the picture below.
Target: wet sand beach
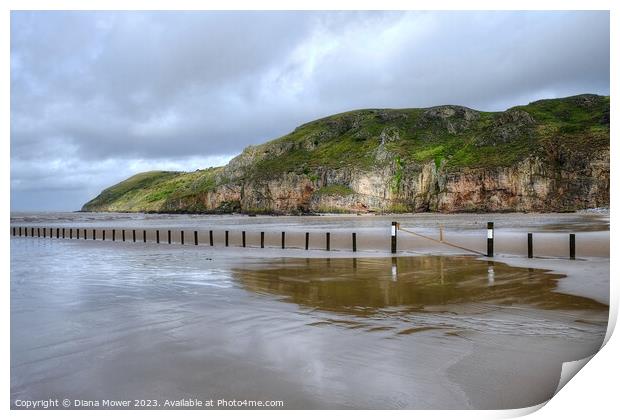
(428, 328)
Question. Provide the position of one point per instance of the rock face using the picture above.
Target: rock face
(454, 118)
(550, 155)
(529, 186)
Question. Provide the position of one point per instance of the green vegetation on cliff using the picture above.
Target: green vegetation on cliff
(152, 191)
(138, 191)
(452, 138)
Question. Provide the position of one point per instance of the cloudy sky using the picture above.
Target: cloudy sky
(99, 96)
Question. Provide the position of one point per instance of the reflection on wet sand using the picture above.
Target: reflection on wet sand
(93, 320)
(363, 286)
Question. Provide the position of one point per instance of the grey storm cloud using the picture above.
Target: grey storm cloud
(97, 96)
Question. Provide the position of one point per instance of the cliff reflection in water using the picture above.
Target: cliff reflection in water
(421, 283)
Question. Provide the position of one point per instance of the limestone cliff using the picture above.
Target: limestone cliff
(550, 155)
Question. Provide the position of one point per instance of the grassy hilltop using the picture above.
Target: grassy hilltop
(148, 191)
(328, 153)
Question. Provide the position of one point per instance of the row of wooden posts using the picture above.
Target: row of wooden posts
(60, 232)
(530, 243)
(490, 241)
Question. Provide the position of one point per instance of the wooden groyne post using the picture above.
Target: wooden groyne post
(307, 240)
(327, 245)
(182, 237)
(354, 241)
(243, 239)
(211, 238)
(195, 237)
(262, 239)
(394, 238)
(157, 236)
(283, 240)
(226, 238)
(530, 246)
(490, 237)
(571, 245)
(169, 237)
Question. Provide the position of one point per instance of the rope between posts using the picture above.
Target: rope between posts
(443, 242)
